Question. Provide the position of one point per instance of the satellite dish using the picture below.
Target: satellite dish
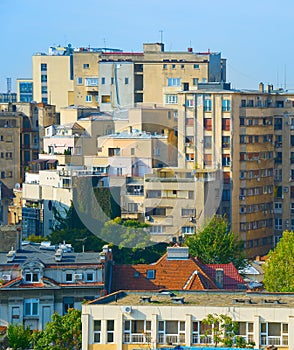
(17, 186)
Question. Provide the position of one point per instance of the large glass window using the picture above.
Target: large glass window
(97, 331)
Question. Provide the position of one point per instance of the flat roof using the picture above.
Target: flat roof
(201, 298)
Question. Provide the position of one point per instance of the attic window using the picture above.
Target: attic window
(136, 274)
(150, 274)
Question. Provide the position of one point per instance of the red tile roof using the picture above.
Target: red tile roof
(174, 274)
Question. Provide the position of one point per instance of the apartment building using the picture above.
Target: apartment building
(239, 132)
(20, 138)
(53, 77)
(38, 280)
(110, 78)
(128, 320)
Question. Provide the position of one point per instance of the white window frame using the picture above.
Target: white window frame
(171, 99)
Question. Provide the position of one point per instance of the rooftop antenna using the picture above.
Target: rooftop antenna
(8, 81)
(161, 36)
(285, 76)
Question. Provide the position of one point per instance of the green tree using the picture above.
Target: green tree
(63, 332)
(36, 239)
(215, 243)
(19, 337)
(222, 329)
(279, 266)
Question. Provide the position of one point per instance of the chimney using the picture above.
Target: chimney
(261, 87)
(219, 278)
(130, 129)
(270, 88)
(11, 255)
(190, 49)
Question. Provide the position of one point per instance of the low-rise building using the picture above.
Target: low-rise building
(128, 320)
(38, 280)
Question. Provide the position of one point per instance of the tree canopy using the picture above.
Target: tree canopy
(215, 243)
(19, 337)
(279, 266)
(63, 332)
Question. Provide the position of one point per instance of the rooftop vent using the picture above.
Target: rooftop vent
(177, 253)
(178, 300)
(58, 254)
(11, 255)
(145, 299)
(271, 301)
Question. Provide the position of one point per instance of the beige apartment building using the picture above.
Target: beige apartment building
(128, 320)
(126, 78)
(53, 78)
(240, 132)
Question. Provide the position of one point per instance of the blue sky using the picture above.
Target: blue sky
(256, 36)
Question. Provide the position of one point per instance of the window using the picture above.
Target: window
(110, 331)
(88, 98)
(86, 66)
(89, 276)
(173, 66)
(68, 277)
(171, 99)
(156, 229)
(208, 124)
(188, 230)
(68, 303)
(137, 331)
(226, 105)
(79, 81)
(105, 99)
(32, 277)
(126, 81)
(189, 212)
(195, 81)
(278, 124)
(173, 82)
(207, 105)
(170, 332)
(103, 80)
(113, 152)
(44, 78)
(164, 66)
(196, 66)
(226, 124)
(43, 66)
(226, 160)
(112, 80)
(207, 141)
(44, 89)
(132, 207)
(91, 81)
(226, 141)
(278, 224)
(150, 274)
(31, 307)
(97, 331)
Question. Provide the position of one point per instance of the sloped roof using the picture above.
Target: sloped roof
(175, 270)
(174, 274)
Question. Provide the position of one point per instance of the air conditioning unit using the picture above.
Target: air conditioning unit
(147, 217)
(127, 309)
(78, 276)
(286, 189)
(61, 173)
(6, 277)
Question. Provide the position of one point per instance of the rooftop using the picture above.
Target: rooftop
(201, 298)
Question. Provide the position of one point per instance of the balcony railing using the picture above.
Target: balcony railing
(274, 340)
(137, 338)
(171, 338)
